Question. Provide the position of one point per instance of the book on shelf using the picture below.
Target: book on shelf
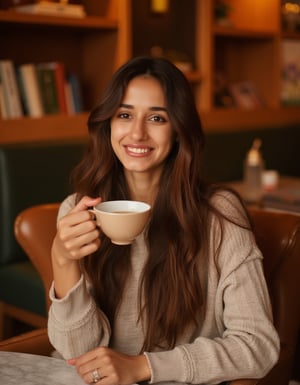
(290, 72)
(3, 110)
(47, 86)
(11, 106)
(75, 93)
(55, 70)
(60, 81)
(3, 113)
(53, 9)
(69, 99)
(30, 90)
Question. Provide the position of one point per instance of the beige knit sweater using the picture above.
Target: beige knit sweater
(236, 338)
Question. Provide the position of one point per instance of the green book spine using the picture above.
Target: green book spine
(47, 85)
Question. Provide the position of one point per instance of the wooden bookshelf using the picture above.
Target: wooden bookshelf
(93, 47)
(247, 49)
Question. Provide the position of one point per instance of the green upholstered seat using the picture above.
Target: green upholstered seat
(30, 173)
(28, 293)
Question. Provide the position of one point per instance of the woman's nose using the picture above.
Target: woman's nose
(138, 129)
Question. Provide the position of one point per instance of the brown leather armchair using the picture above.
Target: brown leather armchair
(44, 168)
(35, 228)
(278, 236)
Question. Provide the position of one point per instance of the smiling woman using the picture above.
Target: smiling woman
(187, 301)
(141, 132)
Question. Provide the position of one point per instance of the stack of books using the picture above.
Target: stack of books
(38, 89)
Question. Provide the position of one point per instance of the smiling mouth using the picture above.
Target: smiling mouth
(138, 150)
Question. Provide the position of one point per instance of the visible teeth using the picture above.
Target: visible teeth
(138, 150)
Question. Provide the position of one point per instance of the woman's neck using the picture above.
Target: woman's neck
(143, 187)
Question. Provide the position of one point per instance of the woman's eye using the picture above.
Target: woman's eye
(157, 118)
(123, 115)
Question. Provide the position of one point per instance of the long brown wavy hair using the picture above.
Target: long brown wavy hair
(170, 295)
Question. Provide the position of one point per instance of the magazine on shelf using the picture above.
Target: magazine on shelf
(53, 9)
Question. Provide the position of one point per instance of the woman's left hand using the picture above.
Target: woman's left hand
(105, 366)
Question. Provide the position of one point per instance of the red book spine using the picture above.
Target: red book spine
(60, 80)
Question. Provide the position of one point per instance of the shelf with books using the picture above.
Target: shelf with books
(38, 89)
(90, 49)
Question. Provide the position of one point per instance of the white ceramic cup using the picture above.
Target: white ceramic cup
(270, 180)
(123, 220)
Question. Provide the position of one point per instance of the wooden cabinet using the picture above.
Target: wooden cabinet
(92, 47)
(247, 48)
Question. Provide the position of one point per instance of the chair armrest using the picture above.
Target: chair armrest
(33, 342)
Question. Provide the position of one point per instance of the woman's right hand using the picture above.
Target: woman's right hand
(77, 233)
(77, 236)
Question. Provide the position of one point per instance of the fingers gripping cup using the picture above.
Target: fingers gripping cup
(122, 221)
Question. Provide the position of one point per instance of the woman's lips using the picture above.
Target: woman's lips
(134, 150)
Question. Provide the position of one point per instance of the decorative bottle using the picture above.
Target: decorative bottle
(253, 170)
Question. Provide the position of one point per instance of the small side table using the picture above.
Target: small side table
(286, 197)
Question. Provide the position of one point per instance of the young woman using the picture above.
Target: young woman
(187, 302)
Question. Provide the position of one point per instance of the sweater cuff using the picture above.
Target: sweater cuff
(77, 301)
(168, 366)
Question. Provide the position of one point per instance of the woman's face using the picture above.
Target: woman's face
(141, 133)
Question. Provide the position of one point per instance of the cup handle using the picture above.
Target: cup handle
(93, 212)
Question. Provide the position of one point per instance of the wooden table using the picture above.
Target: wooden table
(286, 197)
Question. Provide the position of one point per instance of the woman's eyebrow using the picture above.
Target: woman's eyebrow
(158, 109)
(154, 108)
(126, 105)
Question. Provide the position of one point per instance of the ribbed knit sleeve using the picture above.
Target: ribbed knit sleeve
(75, 325)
